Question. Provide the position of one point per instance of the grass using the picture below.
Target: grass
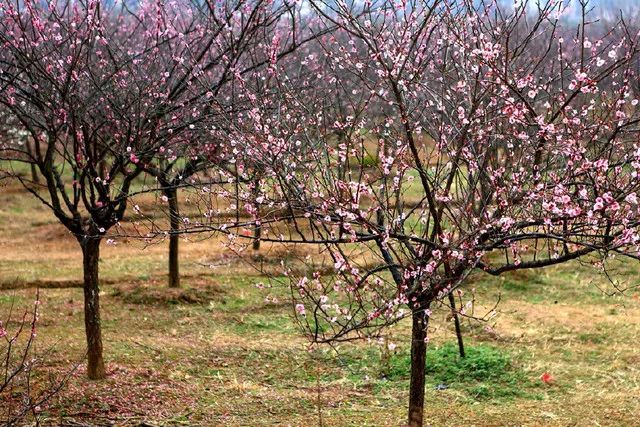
(221, 351)
(485, 372)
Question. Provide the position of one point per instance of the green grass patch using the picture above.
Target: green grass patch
(485, 372)
(590, 338)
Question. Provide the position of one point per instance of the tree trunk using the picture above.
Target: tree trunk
(257, 230)
(35, 178)
(418, 362)
(90, 257)
(102, 169)
(456, 320)
(174, 238)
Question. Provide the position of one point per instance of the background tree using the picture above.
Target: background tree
(266, 34)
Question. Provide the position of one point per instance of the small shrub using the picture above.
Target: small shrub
(368, 161)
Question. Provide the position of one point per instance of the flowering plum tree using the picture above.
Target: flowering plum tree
(266, 34)
(103, 89)
(430, 139)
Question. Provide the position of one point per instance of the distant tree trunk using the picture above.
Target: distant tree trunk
(456, 320)
(35, 178)
(34, 174)
(90, 258)
(102, 167)
(418, 365)
(174, 238)
(257, 230)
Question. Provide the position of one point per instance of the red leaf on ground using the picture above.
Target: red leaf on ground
(547, 378)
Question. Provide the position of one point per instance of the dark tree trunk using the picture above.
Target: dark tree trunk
(90, 257)
(418, 363)
(257, 230)
(102, 168)
(35, 178)
(174, 238)
(456, 320)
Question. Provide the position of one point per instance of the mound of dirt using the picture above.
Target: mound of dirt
(19, 283)
(157, 293)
